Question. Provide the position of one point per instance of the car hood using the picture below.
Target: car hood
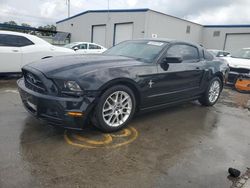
(78, 65)
(238, 62)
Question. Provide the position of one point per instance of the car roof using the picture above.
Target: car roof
(170, 41)
(215, 50)
(86, 43)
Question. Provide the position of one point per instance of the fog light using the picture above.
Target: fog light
(75, 114)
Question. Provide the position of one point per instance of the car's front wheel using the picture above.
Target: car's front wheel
(212, 93)
(114, 109)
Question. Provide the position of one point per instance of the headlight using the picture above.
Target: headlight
(69, 87)
(72, 86)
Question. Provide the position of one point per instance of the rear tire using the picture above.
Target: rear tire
(115, 109)
(212, 93)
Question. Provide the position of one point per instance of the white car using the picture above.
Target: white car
(219, 53)
(86, 48)
(239, 63)
(18, 49)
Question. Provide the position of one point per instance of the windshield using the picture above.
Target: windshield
(71, 45)
(243, 53)
(145, 51)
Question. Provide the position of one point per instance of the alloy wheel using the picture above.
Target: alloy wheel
(214, 91)
(117, 108)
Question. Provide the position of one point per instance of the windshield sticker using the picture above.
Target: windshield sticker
(155, 43)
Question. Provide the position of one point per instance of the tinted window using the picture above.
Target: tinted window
(83, 46)
(93, 47)
(14, 41)
(208, 56)
(226, 53)
(186, 52)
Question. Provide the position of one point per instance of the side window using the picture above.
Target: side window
(186, 52)
(83, 46)
(208, 56)
(94, 47)
(14, 41)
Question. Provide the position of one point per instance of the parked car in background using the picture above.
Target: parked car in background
(18, 49)
(239, 64)
(109, 88)
(219, 53)
(86, 47)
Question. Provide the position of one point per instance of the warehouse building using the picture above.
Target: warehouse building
(109, 27)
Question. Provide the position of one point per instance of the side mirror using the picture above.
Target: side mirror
(168, 60)
(76, 48)
(172, 60)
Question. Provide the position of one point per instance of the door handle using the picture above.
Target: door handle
(197, 68)
(15, 50)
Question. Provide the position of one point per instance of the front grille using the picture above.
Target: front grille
(240, 70)
(232, 78)
(33, 82)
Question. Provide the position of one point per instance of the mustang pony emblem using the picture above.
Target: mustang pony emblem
(150, 83)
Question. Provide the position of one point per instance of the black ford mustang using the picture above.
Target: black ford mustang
(109, 88)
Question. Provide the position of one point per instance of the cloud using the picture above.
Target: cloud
(131, 3)
(236, 13)
(20, 15)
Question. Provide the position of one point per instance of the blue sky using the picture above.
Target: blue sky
(41, 12)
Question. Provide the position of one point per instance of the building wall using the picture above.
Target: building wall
(81, 29)
(217, 42)
(148, 24)
(171, 27)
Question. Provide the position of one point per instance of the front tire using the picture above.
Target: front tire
(115, 108)
(212, 93)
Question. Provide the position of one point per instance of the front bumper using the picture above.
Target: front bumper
(232, 77)
(234, 73)
(53, 109)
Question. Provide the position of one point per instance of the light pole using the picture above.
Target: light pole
(68, 2)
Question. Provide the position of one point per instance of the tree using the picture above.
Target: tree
(48, 28)
(25, 25)
(10, 23)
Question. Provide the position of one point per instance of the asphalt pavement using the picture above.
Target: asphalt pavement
(183, 146)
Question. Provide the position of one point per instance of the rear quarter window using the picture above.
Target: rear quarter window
(94, 47)
(14, 41)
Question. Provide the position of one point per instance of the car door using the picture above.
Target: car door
(82, 48)
(178, 81)
(10, 54)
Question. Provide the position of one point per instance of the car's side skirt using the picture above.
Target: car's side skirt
(173, 92)
(170, 103)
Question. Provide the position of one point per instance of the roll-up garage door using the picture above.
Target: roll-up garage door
(235, 42)
(123, 31)
(99, 34)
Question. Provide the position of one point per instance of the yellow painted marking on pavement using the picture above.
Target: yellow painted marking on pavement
(107, 139)
(129, 141)
(130, 132)
(76, 144)
(127, 132)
